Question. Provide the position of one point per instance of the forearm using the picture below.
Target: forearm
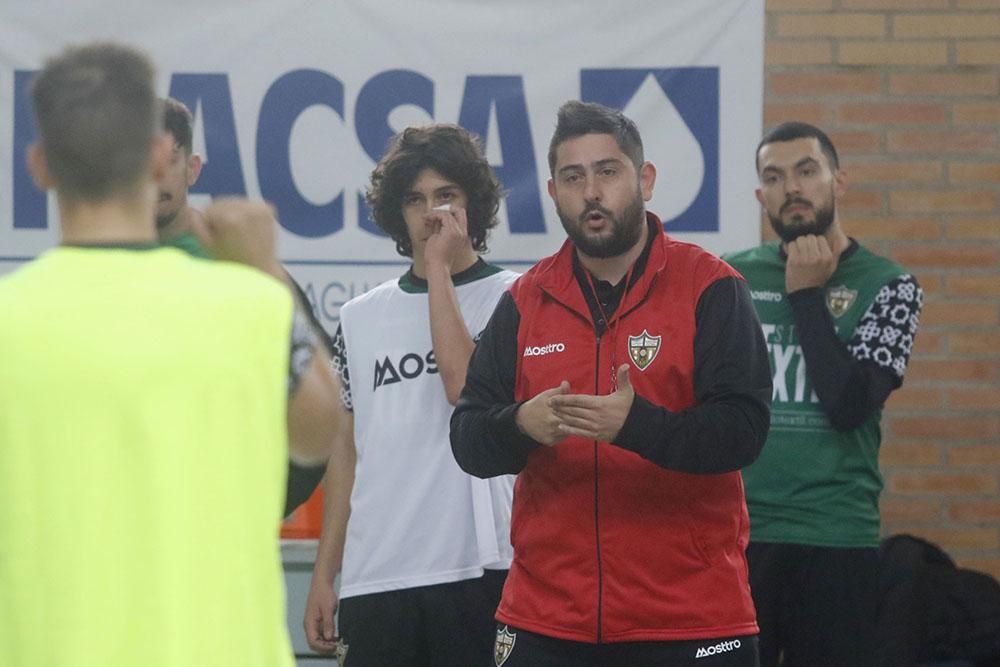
(338, 484)
(450, 339)
(717, 436)
(726, 427)
(485, 439)
(849, 391)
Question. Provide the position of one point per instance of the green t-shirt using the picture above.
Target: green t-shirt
(813, 484)
(189, 243)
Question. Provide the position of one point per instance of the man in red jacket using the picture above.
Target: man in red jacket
(626, 382)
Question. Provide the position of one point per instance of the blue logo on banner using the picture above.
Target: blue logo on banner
(694, 93)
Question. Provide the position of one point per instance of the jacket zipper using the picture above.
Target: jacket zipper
(597, 523)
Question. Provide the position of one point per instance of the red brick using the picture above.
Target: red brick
(942, 201)
(961, 256)
(868, 52)
(921, 229)
(957, 314)
(953, 24)
(959, 428)
(942, 482)
(897, 171)
(977, 53)
(857, 200)
(941, 141)
(927, 342)
(958, 84)
(975, 342)
(977, 113)
(986, 286)
(959, 539)
(780, 112)
(910, 398)
(951, 369)
(856, 142)
(891, 113)
(798, 52)
(909, 454)
(807, 5)
(931, 283)
(974, 455)
(894, 4)
(849, 24)
(983, 398)
(826, 84)
(975, 511)
(974, 172)
(974, 228)
(908, 509)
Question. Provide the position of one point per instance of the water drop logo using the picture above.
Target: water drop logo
(677, 111)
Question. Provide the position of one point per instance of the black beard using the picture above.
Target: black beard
(625, 231)
(163, 221)
(818, 227)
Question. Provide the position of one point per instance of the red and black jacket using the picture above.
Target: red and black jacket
(641, 539)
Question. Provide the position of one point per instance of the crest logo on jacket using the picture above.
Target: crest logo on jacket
(503, 646)
(840, 299)
(643, 349)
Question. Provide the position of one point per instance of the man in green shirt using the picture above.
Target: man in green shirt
(176, 222)
(839, 323)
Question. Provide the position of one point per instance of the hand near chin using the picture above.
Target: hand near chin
(811, 262)
(241, 230)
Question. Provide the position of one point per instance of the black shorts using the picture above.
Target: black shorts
(442, 625)
(816, 606)
(520, 648)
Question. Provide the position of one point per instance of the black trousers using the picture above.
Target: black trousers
(520, 648)
(816, 606)
(445, 625)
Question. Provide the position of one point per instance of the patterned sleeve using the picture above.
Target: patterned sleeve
(884, 334)
(338, 361)
(303, 349)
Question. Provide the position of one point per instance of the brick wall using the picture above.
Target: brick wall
(908, 90)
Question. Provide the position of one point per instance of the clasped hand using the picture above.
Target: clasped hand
(554, 414)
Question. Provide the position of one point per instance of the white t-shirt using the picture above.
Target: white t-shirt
(416, 518)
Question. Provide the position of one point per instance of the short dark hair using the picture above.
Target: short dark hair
(576, 119)
(178, 121)
(97, 116)
(453, 152)
(793, 130)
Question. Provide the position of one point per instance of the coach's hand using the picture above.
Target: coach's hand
(244, 231)
(596, 417)
(536, 418)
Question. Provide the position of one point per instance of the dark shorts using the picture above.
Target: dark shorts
(443, 625)
(520, 648)
(816, 606)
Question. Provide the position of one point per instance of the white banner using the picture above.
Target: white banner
(296, 101)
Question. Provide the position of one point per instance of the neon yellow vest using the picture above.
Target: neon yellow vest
(142, 462)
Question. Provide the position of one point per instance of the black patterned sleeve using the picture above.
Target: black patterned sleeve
(854, 380)
(303, 348)
(338, 362)
(885, 333)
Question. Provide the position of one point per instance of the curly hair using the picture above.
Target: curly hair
(453, 152)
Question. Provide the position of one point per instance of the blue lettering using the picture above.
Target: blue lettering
(285, 100)
(209, 94)
(378, 97)
(518, 172)
(31, 209)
